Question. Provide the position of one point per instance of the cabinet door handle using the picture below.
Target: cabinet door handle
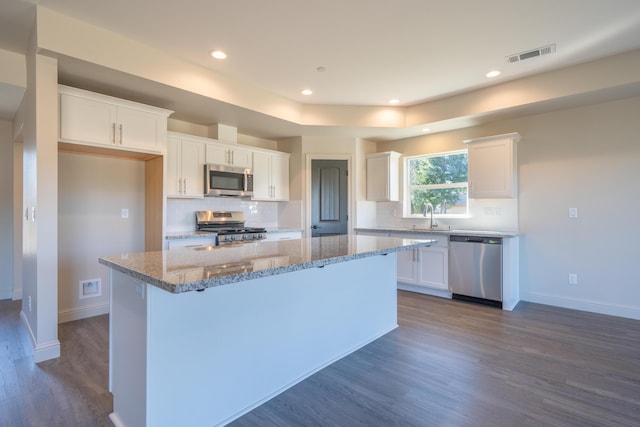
(120, 133)
(184, 185)
(113, 133)
(232, 158)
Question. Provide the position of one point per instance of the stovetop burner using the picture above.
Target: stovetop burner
(229, 225)
(226, 230)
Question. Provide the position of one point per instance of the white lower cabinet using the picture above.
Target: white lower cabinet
(426, 267)
(283, 235)
(195, 242)
(424, 270)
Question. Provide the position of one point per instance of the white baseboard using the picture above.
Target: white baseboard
(70, 314)
(41, 351)
(628, 311)
(423, 290)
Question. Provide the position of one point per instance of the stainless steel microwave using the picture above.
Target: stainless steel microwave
(227, 181)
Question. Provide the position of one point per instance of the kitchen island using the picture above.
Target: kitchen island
(201, 336)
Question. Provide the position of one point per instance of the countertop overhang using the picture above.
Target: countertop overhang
(195, 269)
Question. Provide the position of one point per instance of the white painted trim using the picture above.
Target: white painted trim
(628, 311)
(70, 314)
(116, 420)
(41, 352)
(424, 290)
(350, 187)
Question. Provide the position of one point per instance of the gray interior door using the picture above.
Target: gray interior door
(328, 197)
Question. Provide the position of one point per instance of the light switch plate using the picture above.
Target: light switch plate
(573, 213)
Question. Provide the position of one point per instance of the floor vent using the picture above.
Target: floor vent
(544, 50)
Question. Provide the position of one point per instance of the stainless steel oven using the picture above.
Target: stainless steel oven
(227, 181)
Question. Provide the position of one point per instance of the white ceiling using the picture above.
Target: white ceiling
(372, 50)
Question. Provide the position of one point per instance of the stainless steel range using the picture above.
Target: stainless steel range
(229, 225)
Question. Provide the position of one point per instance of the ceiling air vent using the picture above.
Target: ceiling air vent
(544, 50)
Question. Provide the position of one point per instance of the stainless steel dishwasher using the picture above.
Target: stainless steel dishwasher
(475, 269)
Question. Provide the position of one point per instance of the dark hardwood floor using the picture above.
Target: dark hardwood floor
(448, 364)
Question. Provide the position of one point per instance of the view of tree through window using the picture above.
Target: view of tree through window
(439, 179)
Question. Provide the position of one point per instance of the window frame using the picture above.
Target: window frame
(406, 187)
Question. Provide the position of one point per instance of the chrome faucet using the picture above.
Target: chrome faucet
(426, 209)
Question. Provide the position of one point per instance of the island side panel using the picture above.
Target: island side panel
(215, 355)
(128, 350)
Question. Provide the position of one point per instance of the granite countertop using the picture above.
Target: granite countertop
(195, 269)
(175, 235)
(445, 231)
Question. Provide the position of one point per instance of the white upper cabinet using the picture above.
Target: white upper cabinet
(93, 119)
(229, 154)
(270, 175)
(383, 176)
(493, 171)
(185, 166)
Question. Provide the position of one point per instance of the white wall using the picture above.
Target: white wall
(40, 190)
(482, 213)
(92, 191)
(583, 157)
(586, 158)
(6, 209)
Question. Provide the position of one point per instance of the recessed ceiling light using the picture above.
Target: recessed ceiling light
(394, 101)
(494, 73)
(306, 92)
(218, 54)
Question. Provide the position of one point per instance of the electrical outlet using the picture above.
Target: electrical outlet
(573, 279)
(124, 213)
(573, 213)
(90, 288)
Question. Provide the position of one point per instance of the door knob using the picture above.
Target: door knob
(315, 227)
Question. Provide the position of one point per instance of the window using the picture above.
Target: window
(439, 179)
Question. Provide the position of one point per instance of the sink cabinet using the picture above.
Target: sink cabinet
(423, 270)
(492, 167)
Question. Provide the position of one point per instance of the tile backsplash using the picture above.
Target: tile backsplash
(181, 216)
(488, 214)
